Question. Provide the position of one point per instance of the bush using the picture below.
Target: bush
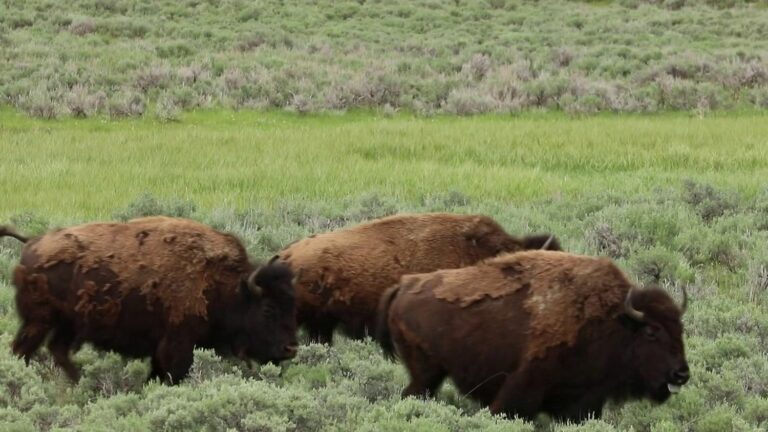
(708, 202)
(468, 102)
(82, 103)
(41, 103)
(149, 205)
(167, 110)
(657, 265)
(126, 104)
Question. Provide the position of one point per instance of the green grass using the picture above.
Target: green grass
(86, 169)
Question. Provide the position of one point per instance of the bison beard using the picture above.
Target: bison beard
(346, 271)
(156, 287)
(536, 332)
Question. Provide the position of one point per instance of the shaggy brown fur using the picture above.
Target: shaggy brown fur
(535, 332)
(344, 273)
(151, 287)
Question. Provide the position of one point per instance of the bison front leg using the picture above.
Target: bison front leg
(59, 346)
(172, 360)
(589, 406)
(28, 340)
(520, 395)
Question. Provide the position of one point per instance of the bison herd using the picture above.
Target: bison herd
(517, 324)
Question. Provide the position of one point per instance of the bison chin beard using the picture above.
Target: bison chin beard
(661, 393)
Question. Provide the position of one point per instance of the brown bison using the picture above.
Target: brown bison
(536, 332)
(155, 287)
(342, 274)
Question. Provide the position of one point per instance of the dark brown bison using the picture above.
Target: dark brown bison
(155, 287)
(342, 274)
(536, 332)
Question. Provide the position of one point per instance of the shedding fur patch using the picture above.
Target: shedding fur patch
(565, 291)
(346, 271)
(171, 262)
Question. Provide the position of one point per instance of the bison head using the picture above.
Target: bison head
(657, 355)
(269, 331)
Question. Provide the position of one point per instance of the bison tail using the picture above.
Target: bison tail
(383, 335)
(6, 231)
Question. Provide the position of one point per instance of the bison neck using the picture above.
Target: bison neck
(226, 324)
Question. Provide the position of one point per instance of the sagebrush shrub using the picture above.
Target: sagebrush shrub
(150, 205)
(167, 110)
(469, 101)
(126, 103)
(41, 103)
(81, 102)
(82, 27)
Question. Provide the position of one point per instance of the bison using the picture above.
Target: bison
(536, 332)
(156, 287)
(342, 274)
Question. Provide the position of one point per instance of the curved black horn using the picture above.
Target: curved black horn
(547, 243)
(255, 289)
(684, 305)
(630, 310)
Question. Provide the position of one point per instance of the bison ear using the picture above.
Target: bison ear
(541, 241)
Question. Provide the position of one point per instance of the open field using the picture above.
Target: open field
(86, 169)
(675, 199)
(128, 58)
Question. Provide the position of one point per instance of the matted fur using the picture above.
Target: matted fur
(558, 311)
(146, 254)
(533, 332)
(344, 273)
(152, 287)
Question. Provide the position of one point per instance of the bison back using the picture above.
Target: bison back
(99, 273)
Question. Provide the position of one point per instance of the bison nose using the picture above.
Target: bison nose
(681, 375)
(290, 350)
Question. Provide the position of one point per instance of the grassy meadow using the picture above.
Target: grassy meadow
(676, 199)
(634, 129)
(132, 57)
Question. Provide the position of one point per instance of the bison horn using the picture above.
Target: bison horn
(630, 310)
(684, 305)
(255, 289)
(546, 243)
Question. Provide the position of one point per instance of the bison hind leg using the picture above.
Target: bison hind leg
(172, 360)
(60, 346)
(28, 340)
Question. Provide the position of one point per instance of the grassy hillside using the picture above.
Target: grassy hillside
(675, 199)
(127, 57)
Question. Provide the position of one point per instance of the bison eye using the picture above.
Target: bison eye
(649, 332)
(269, 312)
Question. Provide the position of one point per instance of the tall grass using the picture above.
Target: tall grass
(86, 168)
